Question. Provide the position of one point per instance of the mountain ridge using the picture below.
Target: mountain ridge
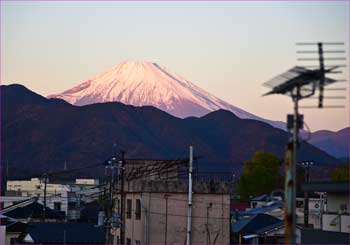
(147, 83)
(46, 135)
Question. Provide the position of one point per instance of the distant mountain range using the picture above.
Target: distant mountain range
(334, 143)
(40, 134)
(141, 83)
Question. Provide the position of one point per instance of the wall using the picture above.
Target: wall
(336, 222)
(209, 221)
(334, 200)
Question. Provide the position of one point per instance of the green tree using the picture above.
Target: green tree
(341, 174)
(260, 175)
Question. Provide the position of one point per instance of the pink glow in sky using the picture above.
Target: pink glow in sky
(229, 48)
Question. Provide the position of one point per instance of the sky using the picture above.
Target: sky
(227, 48)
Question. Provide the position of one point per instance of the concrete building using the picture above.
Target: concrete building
(156, 212)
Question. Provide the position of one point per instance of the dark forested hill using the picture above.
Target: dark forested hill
(40, 134)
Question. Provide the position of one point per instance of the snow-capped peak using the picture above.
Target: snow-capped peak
(141, 83)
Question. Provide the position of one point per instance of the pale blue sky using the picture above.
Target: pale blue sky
(227, 48)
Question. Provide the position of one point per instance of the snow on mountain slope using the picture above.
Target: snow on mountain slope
(142, 83)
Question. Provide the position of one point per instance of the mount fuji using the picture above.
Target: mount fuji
(141, 83)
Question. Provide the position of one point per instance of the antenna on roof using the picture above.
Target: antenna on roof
(301, 82)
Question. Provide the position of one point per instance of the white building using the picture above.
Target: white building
(334, 206)
(63, 197)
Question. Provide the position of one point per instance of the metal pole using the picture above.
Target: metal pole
(290, 184)
(322, 78)
(166, 219)
(189, 215)
(288, 196)
(294, 162)
(109, 215)
(122, 199)
(306, 196)
(45, 185)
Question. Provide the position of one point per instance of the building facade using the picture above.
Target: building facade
(156, 213)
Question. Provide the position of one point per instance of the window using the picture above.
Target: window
(128, 241)
(13, 240)
(72, 205)
(57, 206)
(137, 242)
(343, 208)
(128, 208)
(138, 209)
(118, 205)
(300, 203)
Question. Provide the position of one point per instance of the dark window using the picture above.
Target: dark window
(128, 241)
(13, 240)
(137, 242)
(138, 209)
(57, 206)
(299, 204)
(118, 205)
(72, 205)
(128, 208)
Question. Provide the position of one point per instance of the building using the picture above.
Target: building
(156, 212)
(30, 210)
(10, 230)
(66, 197)
(334, 207)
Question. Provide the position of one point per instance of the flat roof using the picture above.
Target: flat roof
(335, 187)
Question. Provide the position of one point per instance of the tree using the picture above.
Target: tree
(341, 174)
(260, 175)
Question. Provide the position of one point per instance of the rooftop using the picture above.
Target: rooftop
(255, 224)
(335, 187)
(64, 233)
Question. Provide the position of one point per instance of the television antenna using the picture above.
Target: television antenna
(301, 82)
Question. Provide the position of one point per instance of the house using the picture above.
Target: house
(63, 233)
(10, 230)
(334, 206)
(259, 229)
(31, 210)
(67, 197)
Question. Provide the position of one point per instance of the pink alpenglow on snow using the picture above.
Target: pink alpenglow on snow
(141, 83)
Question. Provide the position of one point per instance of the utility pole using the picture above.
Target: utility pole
(189, 215)
(109, 212)
(45, 186)
(166, 219)
(306, 166)
(122, 198)
(301, 83)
